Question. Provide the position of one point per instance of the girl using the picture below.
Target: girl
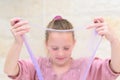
(59, 65)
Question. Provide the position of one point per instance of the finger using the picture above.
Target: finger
(21, 33)
(22, 28)
(100, 28)
(14, 20)
(99, 19)
(21, 23)
(96, 21)
(101, 33)
(96, 25)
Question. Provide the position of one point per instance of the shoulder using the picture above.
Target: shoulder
(78, 63)
(44, 62)
(85, 61)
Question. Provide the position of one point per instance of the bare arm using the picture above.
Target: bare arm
(115, 56)
(110, 35)
(19, 28)
(11, 67)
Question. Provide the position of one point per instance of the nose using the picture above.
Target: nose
(61, 52)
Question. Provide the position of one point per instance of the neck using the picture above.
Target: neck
(60, 69)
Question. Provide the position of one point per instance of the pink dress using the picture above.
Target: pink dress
(99, 70)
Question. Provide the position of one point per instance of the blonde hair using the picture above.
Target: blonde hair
(59, 23)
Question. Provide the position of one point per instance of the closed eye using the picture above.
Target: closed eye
(65, 48)
(55, 48)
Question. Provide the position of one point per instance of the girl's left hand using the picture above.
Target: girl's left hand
(102, 28)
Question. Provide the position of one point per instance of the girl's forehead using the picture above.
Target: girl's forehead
(60, 34)
(56, 36)
(63, 39)
(55, 44)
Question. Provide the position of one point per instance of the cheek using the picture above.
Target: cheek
(69, 53)
(52, 52)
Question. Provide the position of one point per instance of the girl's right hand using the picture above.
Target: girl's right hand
(19, 27)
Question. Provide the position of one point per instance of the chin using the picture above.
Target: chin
(62, 63)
